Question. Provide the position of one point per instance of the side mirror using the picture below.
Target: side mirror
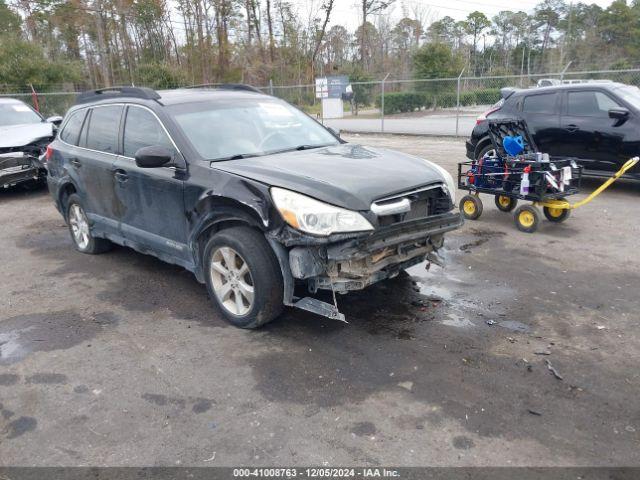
(619, 114)
(334, 131)
(153, 157)
(55, 119)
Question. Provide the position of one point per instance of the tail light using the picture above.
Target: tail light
(48, 154)
(494, 108)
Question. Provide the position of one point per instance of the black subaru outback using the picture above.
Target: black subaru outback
(250, 194)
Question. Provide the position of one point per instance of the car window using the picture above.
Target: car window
(224, 128)
(142, 129)
(589, 103)
(543, 103)
(102, 134)
(631, 95)
(71, 130)
(17, 113)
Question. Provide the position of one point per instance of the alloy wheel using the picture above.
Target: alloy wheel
(79, 226)
(231, 281)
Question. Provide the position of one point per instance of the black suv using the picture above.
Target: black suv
(247, 192)
(598, 123)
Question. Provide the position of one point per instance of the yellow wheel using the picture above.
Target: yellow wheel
(505, 204)
(471, 207)
(555, 214)
(527, 218)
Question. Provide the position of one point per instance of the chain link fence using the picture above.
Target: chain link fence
(442, 106)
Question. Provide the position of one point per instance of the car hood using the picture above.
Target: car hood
(347, 175)
(21, 135)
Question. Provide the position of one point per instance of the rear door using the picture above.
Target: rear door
(69, 151)
(589, 133)
(99, 144)
(541, 111)
(153, 212)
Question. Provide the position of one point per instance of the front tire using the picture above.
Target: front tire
(527, 218)
(80, 229)
(471, 207)
(243, 277)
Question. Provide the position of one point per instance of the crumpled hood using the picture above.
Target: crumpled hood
(21, 135)
(347, 175)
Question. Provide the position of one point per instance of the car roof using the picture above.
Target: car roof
(10, 101)
(149, 97)
(190, 95)
(570, 86)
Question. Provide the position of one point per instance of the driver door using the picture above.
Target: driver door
(152, 211)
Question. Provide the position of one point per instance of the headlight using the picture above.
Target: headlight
(448, 180)
(311, 216)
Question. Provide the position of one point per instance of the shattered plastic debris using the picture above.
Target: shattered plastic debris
(553, 370)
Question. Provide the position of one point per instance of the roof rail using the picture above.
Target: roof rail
(228, 86)
(116, 92)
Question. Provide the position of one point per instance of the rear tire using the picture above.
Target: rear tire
(506, 204)
(80, 229)
(243, 277)
(487, 149)
(556, 215)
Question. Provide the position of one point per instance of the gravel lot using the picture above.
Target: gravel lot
(118, 359)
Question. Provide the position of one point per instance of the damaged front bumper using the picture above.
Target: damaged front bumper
(18, 167)
(345, 262)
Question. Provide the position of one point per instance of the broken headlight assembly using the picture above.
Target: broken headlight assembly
(315, 217)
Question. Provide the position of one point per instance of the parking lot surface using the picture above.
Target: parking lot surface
(119, 359)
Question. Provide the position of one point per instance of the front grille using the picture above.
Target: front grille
(424, 203)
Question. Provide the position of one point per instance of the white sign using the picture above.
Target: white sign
(322, 88)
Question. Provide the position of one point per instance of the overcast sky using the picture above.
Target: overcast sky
(346, 12)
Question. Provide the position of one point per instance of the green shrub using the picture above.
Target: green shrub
(401, 102)
(467, 98)
(446, 100)
(487, 96)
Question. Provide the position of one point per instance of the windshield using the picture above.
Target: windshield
(631, 95)
(222, 129)
(17, 114)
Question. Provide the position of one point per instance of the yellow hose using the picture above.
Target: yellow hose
(563, 204)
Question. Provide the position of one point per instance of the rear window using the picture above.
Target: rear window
(71, 130)
(102, 134)
(543, 103)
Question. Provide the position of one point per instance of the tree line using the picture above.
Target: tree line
(92, 43)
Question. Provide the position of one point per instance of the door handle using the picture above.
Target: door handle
(571, 127)
(121, 175)
(75, 162)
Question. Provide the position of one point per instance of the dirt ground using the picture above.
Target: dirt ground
(119, 359)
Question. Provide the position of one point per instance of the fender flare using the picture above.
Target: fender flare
(480, 145)
(215, 219)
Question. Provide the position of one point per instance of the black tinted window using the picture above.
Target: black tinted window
(544, 103)
(103, 129)
(71, 130)
(142, 129)
(590, 104)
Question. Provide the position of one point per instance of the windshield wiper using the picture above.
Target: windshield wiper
(299, 148)
(237, 156)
